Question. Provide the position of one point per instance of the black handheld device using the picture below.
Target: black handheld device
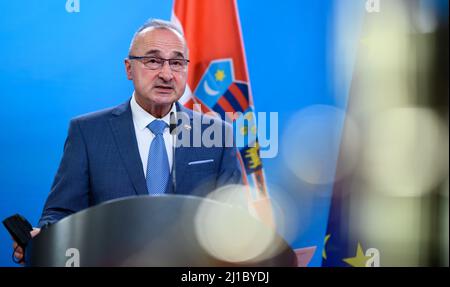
(19, 228)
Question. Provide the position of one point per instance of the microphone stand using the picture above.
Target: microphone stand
(172, 130)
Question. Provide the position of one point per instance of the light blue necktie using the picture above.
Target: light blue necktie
(158, 162)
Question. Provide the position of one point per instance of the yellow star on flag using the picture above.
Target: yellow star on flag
(219, 75)
(324, 252)
(360, 258)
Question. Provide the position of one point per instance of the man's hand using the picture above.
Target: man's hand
(18, 253)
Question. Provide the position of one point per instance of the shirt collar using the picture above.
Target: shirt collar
(142, 118)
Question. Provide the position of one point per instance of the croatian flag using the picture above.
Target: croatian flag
(218, 81)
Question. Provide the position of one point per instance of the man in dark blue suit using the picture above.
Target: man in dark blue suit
(127, 150)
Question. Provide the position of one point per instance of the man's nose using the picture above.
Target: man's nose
(166, 72)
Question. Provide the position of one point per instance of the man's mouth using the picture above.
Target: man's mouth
(165, 88)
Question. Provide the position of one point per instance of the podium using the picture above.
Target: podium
(160, 231)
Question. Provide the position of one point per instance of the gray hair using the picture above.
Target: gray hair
(157, 24)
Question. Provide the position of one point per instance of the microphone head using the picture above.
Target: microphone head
(173, 122)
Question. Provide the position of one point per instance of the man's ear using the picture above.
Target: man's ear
(128, 69)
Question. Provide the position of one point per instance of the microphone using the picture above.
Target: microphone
(172, 127)
(173, 123)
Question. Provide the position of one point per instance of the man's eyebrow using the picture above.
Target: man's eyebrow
(155, 52)
(178, 54)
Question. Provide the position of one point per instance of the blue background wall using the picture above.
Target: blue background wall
(56, 65)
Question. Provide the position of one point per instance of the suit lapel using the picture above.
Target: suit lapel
(181, 153)
(180, 166)
(124, 134)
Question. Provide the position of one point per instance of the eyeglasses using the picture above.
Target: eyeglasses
(156, 63)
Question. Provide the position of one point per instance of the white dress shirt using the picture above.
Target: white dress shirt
(144, 136)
